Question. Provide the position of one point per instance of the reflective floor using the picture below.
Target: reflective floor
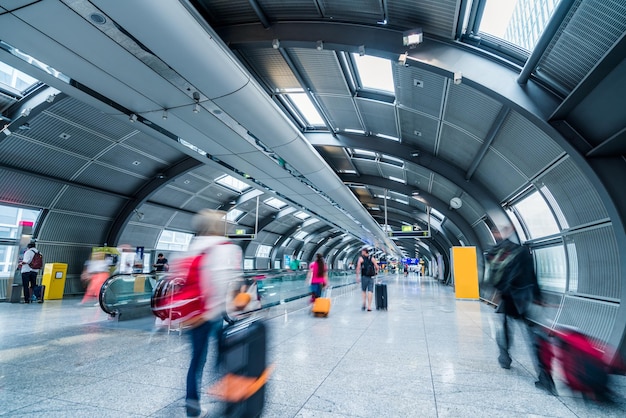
(429, 355)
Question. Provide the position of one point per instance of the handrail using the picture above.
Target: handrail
(137, 293)
(127, 293)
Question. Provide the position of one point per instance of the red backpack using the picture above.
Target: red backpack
(179, 296)
(37, 262)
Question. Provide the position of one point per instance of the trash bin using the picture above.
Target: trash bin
(16, 293)
(54, 280)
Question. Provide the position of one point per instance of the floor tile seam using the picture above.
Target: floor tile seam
(56, 398)
(335, 367)
(432, 381)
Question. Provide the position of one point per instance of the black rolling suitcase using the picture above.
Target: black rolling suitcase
(242, 348)
(380, 293)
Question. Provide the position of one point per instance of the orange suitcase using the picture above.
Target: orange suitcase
(321, 307)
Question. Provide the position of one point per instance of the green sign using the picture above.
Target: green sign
(240, 231)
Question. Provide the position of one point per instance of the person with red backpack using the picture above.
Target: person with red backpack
(30, 265)
(210, 275)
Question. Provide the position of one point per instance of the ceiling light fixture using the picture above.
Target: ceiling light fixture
(132, 118)
(164, 116)
(275, 43)
(361, 50)
(50, 98)
(412, 38)
(196, 97)
(319, 45)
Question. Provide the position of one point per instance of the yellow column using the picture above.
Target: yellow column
(465, 270)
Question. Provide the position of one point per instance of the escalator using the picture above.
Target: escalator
(126, 296)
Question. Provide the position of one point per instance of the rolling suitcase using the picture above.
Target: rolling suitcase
(39, 292)
(321, 306)
(242, 360)
(380, 292)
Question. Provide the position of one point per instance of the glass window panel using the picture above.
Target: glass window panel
(248, 264)
(15, 79)
(537, 216)
(374, 72)
(519, 22)
(263, 251)
(572, 257)
(551, 268)
(8, 215)
(174, 241)
(517, 225)
(306, 108)
(555, 207)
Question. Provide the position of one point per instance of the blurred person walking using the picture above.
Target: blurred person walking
(97, 271)
(366, 269)
(512, 273)
(317, 276)
(213, 274)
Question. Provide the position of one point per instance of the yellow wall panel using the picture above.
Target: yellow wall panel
(465, 270)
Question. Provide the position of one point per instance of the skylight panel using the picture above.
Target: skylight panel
(300, 235)
(374, 73)
(232, 183)
(275, 203)
(306, 108)
(301, 215)
(233, 215)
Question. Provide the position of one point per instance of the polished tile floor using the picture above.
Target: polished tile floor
(429, 355)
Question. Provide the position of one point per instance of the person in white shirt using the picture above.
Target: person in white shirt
(29, 274)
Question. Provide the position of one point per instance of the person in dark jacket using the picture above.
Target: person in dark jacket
(512, 272)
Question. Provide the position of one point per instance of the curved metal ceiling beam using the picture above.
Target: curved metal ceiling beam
(442, 207)
(144, 193)
(492, 207)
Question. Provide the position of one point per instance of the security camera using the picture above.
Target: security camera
(458, 78)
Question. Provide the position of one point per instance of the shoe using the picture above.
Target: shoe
(369, 310)
(363, 307)
(203, 414)
(505, 361)
(546, 383)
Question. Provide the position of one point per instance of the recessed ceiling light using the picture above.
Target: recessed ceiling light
(97, 18)
(64, 136)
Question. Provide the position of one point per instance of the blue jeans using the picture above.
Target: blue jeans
(199, 347)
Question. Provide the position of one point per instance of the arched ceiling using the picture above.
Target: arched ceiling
(486, 139)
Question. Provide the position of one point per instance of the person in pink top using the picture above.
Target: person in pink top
(318, 276)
